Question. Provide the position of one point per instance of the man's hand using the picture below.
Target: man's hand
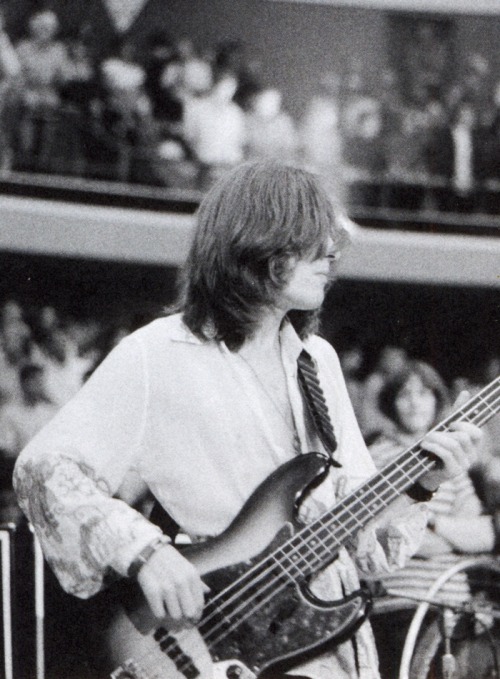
(456, 449)
(173, 587)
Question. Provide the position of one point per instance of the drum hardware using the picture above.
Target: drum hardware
(476, 616)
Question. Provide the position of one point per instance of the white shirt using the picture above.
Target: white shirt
(191, 419)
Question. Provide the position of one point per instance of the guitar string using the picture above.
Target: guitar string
(295, 536)
(310, 529)
(263, 574)
(347, 533)
(283, 570)
(260, 603)
(362, 492)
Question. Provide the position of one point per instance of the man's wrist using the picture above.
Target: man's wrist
(146, 553)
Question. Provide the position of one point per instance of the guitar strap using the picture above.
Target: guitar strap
(314, 398)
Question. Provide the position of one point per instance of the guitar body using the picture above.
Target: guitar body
(260, 617)
(286, 624)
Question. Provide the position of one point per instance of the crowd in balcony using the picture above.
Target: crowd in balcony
(164, 113)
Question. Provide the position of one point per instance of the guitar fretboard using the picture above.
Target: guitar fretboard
(316, 545)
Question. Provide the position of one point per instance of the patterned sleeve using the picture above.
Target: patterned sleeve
(66, 477)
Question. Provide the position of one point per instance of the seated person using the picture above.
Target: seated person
(20, 421)
(269, 129)
(43, 60)
(414, 400)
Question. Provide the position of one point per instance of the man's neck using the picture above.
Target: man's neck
(265, 342)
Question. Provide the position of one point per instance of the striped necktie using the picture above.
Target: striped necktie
(316, 403)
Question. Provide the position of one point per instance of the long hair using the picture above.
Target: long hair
(429, 377)
(250, 227)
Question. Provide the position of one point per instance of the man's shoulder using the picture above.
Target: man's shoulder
(164, 330)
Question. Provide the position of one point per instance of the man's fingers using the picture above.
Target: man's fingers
(468, 429)
(155, 599)
(173, 587)
(461, 400)
(190, 600)
(172, 605)
(449, 451)
(456, 450)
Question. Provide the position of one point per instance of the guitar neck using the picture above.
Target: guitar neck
(317, 544)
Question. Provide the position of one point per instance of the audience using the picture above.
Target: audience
(173, 115)
(10, 69)
(269, 130)
(44, 361)
(45, 357)
(413, 400)
(20, 420)
(66, 351)
(43, 60)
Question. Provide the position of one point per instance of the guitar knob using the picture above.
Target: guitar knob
(234, 672)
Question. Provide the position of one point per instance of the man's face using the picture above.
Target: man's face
(308, 282)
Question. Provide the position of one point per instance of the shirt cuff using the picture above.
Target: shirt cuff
(128, 552)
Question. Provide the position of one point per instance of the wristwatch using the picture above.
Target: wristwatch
(145, 554)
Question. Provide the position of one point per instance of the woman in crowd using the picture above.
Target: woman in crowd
(414, 400)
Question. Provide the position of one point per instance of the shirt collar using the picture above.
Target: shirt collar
(291, 344)
(181, 333)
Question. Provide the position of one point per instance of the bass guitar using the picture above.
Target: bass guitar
(261, 617)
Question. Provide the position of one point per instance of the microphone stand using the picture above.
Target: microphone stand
(448, 660)
(449, 615)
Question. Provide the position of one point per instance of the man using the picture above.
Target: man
(200, 407)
